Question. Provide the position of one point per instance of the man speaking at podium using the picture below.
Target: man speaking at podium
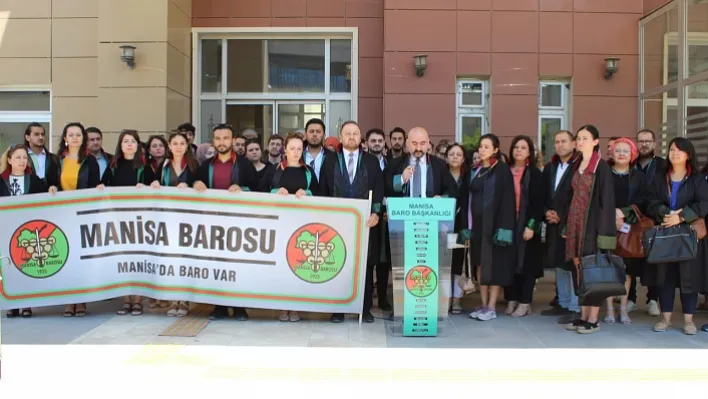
(419, 175)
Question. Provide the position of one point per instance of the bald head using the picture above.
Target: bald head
(417, 142)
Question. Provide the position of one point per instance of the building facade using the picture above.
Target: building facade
(502, 66)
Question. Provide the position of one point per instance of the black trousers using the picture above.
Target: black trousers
(382, 273)
(652, 293)
(521, 290)
(369, 287)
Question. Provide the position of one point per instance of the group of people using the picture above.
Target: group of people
(514, 217)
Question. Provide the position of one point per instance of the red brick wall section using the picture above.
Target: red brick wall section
(510, 42)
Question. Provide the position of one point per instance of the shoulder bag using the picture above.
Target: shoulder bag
(629, 245)
(671, 244)
(601, 275)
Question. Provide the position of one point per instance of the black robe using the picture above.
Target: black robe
(292, 179)
(51, 166)
(334, 182)
(496, 228)
(439, 181)
(557, 199)
(167, 177)
(89, 173)
(656, 167)
(693, 199)
(529, 254)
(243, 173)
(124, 174)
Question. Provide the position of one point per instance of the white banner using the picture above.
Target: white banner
(240, 249)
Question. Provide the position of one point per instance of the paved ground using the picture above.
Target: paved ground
(49, 354)
(104, 327)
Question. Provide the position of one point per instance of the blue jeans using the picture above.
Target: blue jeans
(566, 293)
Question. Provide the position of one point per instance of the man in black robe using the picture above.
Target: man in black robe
(352, 173)
(557, 176)
(419, 175)
(397, 137)
(651, 165)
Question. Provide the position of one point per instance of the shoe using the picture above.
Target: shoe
(555, 311)
(661, 326)
(487, 315)
(589, 328)
(624, 317)
(569, 318)
(367, 317)
(337, 318)
(524, 309)
(183, 309)
(456, 306)
(294, 317)
(705, 327)
(240, 314)
(475, 313)
(690, 328)
(284, 316)
(172, 311)
(511, 307)
(384, 304)
(610, 316)
(654, 308)
(574, 325)
(12, 313)
(554, 302)
(219, 313)
(631, 306)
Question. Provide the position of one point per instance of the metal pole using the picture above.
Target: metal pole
(681, 89)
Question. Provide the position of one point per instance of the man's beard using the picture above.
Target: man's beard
(225, 150)
(397, 148)
(650, 154)
(274, 154)
(375, 151)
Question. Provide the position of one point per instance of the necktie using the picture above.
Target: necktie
(417, 180)
(350, 167)
(312, 163)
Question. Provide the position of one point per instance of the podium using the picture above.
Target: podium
(420, 262)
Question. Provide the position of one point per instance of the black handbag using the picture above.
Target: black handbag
(670, 244)
(601, 275)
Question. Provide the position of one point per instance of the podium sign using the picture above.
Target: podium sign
(420, 261)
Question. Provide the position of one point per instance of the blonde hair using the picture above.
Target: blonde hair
(5, 159)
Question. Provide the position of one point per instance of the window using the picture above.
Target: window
(19, 108)
(552, 114)
(276, 82)
(472, 111)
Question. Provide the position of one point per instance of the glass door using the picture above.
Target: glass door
(258, 117)
(292, 116)
(548, 126)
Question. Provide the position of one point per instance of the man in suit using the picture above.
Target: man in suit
(352, 173)
(95, 146)
(375, 141)
(558, 175)
(44, 164)
(315, 153)
(419, 175)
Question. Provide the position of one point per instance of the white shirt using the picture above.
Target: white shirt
(382, 163)
(423, 175)
(17, 185)
(318, 161)
(562, 167)
(40, 163)
(346, 160)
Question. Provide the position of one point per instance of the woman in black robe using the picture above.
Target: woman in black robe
(528, 193)
(679, 196)
(456, 164)
(591, 224)
(291, 176)
(493, 219)
(630, 189)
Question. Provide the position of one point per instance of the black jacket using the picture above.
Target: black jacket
(369, 177)
(693, 199)
(529, 254)
(89, 173)
(656, 167)
(51, 167)
(557, 199)
(243, 173)
(439, 180)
